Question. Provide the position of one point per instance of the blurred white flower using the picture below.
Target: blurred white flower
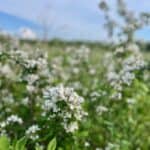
(31, 132)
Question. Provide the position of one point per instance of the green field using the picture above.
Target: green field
(38, 103)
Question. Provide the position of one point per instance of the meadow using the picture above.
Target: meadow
(59, 95)
(73, 97)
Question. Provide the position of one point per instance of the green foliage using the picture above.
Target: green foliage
(123, 126)
(4, 143)
(39, 92)
(52, 144)
(20, 144)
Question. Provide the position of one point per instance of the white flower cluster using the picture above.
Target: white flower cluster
(126, 73)
(78, 55)
(71, 109)
(133, 63)
(14, 119)
(133, 48)
(24, 76)
(5, 70)
(71, 64)
(97, 94)
(11, 120)
(101, 109)
(32, 131)
(111, 146)
(72, 127)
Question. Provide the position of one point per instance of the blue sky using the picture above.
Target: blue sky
(70, 19)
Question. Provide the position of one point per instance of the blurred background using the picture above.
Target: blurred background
(66, 19)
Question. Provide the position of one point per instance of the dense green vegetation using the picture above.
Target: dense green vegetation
(57, 95)
(114, 121)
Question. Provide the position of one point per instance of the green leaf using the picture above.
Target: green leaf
(20, 144)
(52, 144)
(38, 148)
(4, 143)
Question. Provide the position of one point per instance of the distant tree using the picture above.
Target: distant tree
(126, 23)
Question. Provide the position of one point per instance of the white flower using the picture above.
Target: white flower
(133, 63)
(119, 50)
(98, 148)
(133, 47)
(32, 132)
(71, 107)
(92, 71)
(117, 96)
(127, 77)
(13, 119)
(30, 63)
(25, 101)
(131, 101)
(101, 109)
(31, 78)
(6, 71)
(72, 127)
(76, 70)
(30, 88)
(112, 76)
(86, 144)
(95, 94)
(3, 124)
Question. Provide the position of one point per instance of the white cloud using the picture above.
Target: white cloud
(27, 33)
